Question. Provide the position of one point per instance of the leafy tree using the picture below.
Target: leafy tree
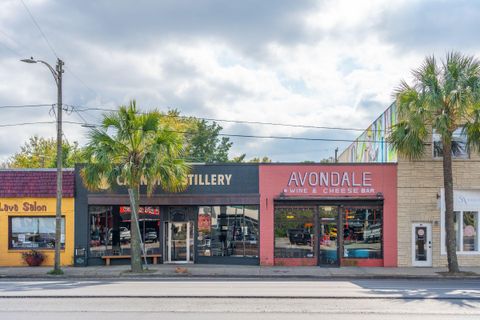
(260, 160)
(241, 159)
(238, 159)
(204, 143)
(40, 152)
(443, 97)
(132, 145)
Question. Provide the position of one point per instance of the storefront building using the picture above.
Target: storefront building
(27, 215)
(215, 220)
(421, 205)
(328, 215)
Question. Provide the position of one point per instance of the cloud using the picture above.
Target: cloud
(432, 26)
(318, 63)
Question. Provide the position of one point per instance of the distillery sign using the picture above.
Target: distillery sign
(330, 183)
(212, 179)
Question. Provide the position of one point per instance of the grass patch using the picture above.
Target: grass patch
(54, 272)
(458, 274)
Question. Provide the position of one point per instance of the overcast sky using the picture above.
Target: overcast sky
(320, 63)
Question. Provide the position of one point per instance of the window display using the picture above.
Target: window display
(294, 232)
(110, 230)
(362, 233)
(34, 232)
(466, 230)
(228, 231)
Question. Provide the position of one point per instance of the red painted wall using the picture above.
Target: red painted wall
(359, 181)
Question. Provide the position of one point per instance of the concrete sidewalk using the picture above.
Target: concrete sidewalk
(236, 272)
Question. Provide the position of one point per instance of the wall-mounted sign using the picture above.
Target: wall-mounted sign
(213, 179)
(155, 211)
(204, 179)
(25, 206)
(330, 182)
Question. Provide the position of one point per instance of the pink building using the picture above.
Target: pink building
(323, 214)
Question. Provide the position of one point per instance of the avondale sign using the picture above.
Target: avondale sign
(333, 183)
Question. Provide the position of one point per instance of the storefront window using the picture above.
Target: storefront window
(34, 232)
(470, 227)
(228, 231)
(362, 232)
(294, 232)
(111, 234)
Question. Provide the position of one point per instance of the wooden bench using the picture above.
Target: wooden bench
(108, 258)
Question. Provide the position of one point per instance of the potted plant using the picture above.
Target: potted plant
(33, 258)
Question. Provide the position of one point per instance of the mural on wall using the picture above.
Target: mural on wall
(371, 145)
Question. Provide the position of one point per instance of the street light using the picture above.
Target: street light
(57, 75)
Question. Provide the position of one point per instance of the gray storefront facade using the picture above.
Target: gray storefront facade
(215, 220)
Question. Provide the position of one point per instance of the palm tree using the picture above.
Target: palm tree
(444, 97)
(135, 146)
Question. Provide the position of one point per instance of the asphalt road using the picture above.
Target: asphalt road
(204, 299)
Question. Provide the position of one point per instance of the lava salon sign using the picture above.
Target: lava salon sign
(22, 206)
(346, 182)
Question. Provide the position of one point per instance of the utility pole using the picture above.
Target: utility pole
(336, 155)
(58, 212)
(57, 75)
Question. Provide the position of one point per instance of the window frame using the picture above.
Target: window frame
(62, 247)
(314, 209)
(459, 236)
(460, 209)
(456, 135)
(255, 207)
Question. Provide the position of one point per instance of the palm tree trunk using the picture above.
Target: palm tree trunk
(449, 217)
(135, 248)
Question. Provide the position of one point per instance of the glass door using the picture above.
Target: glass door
(327, 218)
(179, 242)
(422, 245)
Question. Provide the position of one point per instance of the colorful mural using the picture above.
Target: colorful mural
(371, 145)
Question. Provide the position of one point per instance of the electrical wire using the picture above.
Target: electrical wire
(39, 29)
(27, 106)
(90, 125)
(86, 109)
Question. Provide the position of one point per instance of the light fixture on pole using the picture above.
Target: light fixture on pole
(57, 75)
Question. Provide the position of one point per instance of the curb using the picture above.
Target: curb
(154, 276)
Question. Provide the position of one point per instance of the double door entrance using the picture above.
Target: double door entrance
(179, 242)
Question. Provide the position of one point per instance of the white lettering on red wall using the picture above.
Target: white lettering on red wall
(333, 182)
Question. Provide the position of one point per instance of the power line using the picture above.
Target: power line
(27, 106)
(81, 81)
(220, 134)
(25, 123)
(40, 29)
(242, 121)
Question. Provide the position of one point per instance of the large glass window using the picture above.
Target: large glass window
(466, 231)
(294, 232)
(228, 231)
(459, 145)
(110, 230)
(362, 232)
(34, 233)
(470, 228)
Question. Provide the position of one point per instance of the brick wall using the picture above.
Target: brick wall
(419, 183)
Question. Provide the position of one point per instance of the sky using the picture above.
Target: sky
(310, 63)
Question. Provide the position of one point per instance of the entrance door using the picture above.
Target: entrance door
(328, 239)
(179, 242)
(422, 244)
